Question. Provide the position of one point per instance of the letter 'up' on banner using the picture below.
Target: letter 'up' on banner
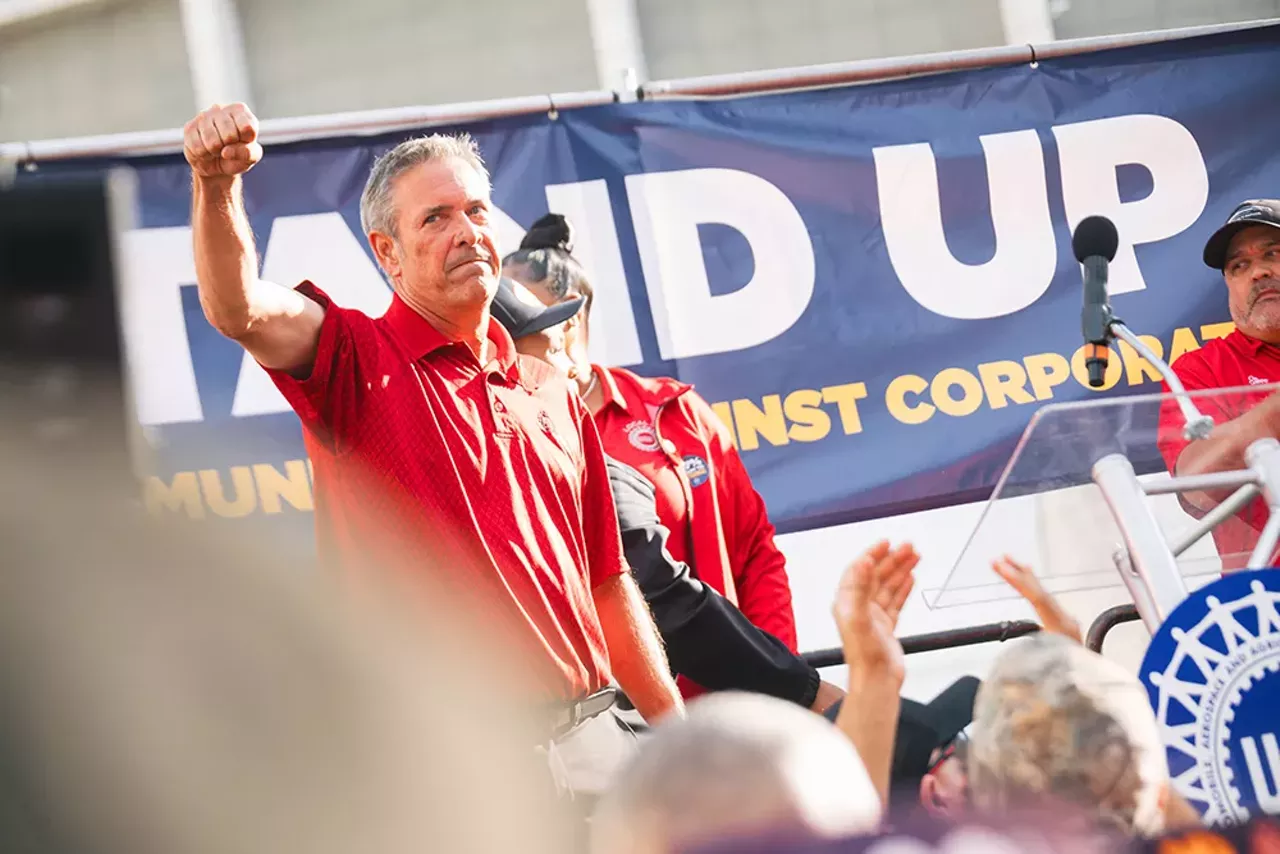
(1091, 152)
(1026, 254)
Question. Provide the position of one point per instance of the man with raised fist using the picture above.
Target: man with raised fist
(435, 447)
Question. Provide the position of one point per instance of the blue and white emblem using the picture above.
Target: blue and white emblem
(1213, 675)
(695, 468)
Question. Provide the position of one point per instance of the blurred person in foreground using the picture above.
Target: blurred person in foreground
(1246, 250)
(168, 689)
(425, 426)
(737, 765)
(708, 639)
(1059, 729)
(945, 791)
(666, 431)
(743, 765)
(943, 788)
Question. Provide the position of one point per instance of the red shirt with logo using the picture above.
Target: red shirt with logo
(1236, 362)
(491, 478)
(718, 522)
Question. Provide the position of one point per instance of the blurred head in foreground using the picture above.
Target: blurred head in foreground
(167, 688)
(738, 764)
(1058, 728)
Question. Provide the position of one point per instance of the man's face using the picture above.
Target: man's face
(442, 258)
(549, 346)
(1252, 273)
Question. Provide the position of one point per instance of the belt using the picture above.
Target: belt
(566, 718)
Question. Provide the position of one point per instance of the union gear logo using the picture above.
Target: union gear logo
(642, 436)
(1213, 677)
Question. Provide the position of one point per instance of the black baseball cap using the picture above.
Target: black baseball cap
(522, 314)
(924, 728)
(1252, 212)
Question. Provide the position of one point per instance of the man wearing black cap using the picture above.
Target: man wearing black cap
(928, 750)
(707, 638)
(1247, 251)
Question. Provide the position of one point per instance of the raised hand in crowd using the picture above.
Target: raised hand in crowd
(222, 141)
(1052, 616)
(868, 602)
(1178, 813)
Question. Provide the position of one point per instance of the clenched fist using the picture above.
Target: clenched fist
(222, 141)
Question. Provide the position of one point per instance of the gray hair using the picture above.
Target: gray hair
(1055, 723)
(377, 213)
(738, 764)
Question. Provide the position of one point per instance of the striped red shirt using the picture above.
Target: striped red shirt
(493, 473)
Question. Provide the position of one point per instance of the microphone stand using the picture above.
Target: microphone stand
(1151, 572)
(1198, 425)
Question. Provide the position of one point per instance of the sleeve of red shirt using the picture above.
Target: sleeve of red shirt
(327, 400)
(599, 515)
(759, 568)
(1194, 374)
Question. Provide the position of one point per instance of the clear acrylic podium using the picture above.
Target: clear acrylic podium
(1091, 482)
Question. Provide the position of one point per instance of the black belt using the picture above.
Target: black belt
(566, 718)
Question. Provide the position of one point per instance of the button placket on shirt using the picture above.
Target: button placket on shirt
(503, 422)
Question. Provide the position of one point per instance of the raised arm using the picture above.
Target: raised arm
(278, 326)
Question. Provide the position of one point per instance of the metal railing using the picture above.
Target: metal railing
(274, 131)
(371, 122)
(931, 641)
(876, 70)
(1106, 621)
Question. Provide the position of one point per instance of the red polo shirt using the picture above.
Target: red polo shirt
(1235, 361)
(491, 474)
(718, 522)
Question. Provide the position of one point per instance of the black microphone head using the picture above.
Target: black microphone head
(1095, 235)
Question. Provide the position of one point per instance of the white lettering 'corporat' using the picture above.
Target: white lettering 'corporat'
(1090, 152)
(1026, 255)
(614, 340)
(667, 208)
(319, 247)
(156, 263)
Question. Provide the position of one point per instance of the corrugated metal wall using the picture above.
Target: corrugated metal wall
(119, 65)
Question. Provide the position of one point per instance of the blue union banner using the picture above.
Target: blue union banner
(873, 284)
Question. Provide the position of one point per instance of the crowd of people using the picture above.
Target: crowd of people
(592, 537)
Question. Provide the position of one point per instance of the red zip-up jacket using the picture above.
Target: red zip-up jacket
(718, 522)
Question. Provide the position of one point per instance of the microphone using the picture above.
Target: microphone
(1094, 243)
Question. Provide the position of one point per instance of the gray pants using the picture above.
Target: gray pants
(584, 762)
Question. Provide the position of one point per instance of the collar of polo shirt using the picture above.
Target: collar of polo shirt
(421, 338)
(1257, 345)
(610, 388)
